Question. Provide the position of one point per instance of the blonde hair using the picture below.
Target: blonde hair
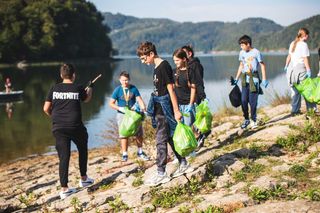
(301, 33)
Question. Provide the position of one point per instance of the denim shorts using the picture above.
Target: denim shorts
(119, 120)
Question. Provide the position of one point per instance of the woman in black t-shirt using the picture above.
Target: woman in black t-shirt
(185, 86)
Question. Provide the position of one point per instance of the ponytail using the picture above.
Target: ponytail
(301, 33)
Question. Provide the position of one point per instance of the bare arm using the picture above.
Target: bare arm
(306, 63)
(47, 108)
(288, 60)
(239, 70)
(141, 104)
(193, 94)
(89, 95)
(263, 71)
(112, 104)
(173, 97)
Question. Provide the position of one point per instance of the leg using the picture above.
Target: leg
(296, 101)
(80, 138)
(244, 101)
(162, 136)
(63, 143)
(124, 144)
(253, 101)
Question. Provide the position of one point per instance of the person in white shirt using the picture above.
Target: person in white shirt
(298, 68)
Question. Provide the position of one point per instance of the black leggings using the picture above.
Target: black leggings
(64, 137)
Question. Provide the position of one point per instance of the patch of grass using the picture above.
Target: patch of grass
(76, 204)
(313, 194)
(106, 186)
(28, 199)
(118, 205)
(225, 111)
(211, 209)
(297, 170)
(277, 99)
(277, 192)
(312, 156)
(171, 197)
(249, 172)
(184, 209)
(289, 143)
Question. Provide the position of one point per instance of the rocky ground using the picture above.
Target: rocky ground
(244, 171)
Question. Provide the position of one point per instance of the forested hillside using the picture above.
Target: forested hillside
(127, 32)
(51, 30)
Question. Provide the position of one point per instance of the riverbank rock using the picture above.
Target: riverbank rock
(235, 170)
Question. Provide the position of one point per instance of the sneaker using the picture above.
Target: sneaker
(64, 194)
(182, 169)
(158, 179)
(143, 156)
(87, 182)
(254, 125)
(124, 158)
(245, 124)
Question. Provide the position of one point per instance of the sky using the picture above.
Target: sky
(283, 12)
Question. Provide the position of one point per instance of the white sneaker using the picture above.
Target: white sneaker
(64, 194)
(254, 125)
(158, 179)
(87, 182)
(182, 169)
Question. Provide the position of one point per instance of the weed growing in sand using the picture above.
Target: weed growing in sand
(118, 205)
(313, 194)
(211, 209)
(28, 199)
(76, 204)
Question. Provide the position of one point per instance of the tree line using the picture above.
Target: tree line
(51, 30)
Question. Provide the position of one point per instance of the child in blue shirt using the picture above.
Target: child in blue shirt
(250, 60)
(126, 95)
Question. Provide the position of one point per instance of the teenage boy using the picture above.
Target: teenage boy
(163, 107)
(127, 95)
(63, 106)
(250, 59)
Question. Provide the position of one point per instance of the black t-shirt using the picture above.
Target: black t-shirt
(66, 108)
(182, 89)
(196, 66)
(162, 76)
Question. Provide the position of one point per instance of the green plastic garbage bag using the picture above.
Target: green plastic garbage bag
(316, 93)
(130, 123)
(308, 89)
(203, 120)
(184, 140)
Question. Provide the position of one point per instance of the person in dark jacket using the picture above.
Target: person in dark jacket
(195, 66)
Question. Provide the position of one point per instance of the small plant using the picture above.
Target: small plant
(249, 172)
(76, 204)
(28, 199)
(211, 209)
(184, 209)
(137, 182)
(289, 143)
(259, 194)
(118, 205)
(313, 194)
(297, 170)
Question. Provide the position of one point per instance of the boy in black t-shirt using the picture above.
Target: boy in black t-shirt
(163, 107)
(63, 106)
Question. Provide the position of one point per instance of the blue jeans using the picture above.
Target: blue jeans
(296, 102)
(250, 98)
(187, 117)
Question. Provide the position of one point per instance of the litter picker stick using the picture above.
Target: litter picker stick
(94, 80)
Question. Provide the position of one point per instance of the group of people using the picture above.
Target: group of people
(176, 92)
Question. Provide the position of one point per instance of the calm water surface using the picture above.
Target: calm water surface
(28, 130)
